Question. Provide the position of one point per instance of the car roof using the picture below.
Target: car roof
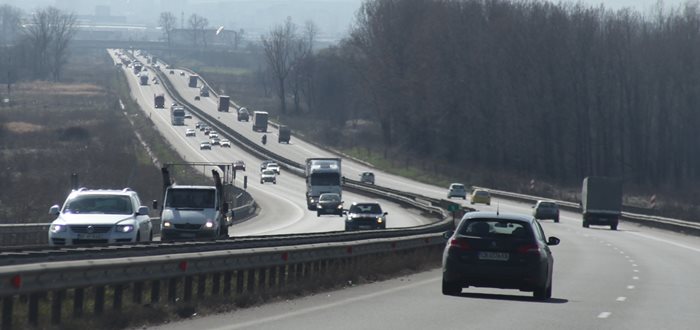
(365, 203)
(85, 191)
(499, 215)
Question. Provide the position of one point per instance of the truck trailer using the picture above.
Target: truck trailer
(159, 101)
(260, 121)
(193, 81)
(323, 175)
(601, 201)
(224, 102)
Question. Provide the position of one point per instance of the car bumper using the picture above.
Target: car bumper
(525, 278)
(59, 239)
(182, 234)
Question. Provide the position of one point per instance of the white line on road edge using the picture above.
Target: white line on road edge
(604, 315)
(621, 299)
(325, 306)
(636, 270)
(667, 242)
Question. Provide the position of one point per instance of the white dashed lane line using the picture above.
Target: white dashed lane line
(604, 315)
(621, 298)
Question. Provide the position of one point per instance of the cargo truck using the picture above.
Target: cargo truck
(193, 81)
(159, 101)
(601, 201)
(323, 175)
(177, 115)
(285, 133)
(137, 67)
(260, 121)
(143, 78)
(192, 212)
(224, 102)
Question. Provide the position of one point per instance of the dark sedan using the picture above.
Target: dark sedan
(506, 251)
(329, 203)
(365, 216)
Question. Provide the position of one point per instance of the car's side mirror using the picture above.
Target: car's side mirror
(448, 234)
(386, 213)
(155, 204)
(54, 210)
(553, 241)
(143, 210)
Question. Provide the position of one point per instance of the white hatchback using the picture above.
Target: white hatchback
(100, 217)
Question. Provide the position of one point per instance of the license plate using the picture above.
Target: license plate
(188, 235)
(90, 236)
(497, 256)
(365, 227)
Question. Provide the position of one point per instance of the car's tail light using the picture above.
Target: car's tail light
(528, 248)
(460, 244)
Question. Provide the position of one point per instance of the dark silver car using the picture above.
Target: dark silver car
(497, 250)
(546, 210)
(329, 203)
(365, 216)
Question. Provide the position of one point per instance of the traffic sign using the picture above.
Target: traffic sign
(453, 207)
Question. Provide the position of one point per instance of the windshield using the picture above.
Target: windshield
(191, 198)
(329, 198)
(325, 179)
(366, 208)
(101, 204)
(496, 228)
(179, 112)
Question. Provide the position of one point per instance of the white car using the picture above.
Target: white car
(190, 132)
(100, 217)
(273, 167)
(457, 190)
(268, 176)
(213, 134)
(225, 143)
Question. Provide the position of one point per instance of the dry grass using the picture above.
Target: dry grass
(57, 89)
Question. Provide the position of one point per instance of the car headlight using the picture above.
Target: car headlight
(58, 228)
(340, 207)
(209, 224)
(380, 220)
(125, 228)
(167, 224)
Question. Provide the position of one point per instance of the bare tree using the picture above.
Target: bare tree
(168, 22)
(198, 26)
(279, 45)
(62, 32)
(10, 24)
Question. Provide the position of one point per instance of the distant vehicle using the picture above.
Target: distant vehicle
(215, 141)
(198, 124)
(457, 190)
(182, 73)
(498, 250)
(205, 145)
(177, 115)
(263, 165)
(188, 115)
(224, 102)
(268, 176)
(365, 216)
(225, 143)
(143, 78)
(239, 165)
(197, 98)
(285, 134)
(172, 72)
(203, 127)
(207, 130)
(601, 201)
(329, 203)
(546, 210)
(204, 91)
(190, 132)
(159, 101)
(100, 217)
(213, 134)
(260, 121)
(481, 196)
(243, 114)
(367, 177)
(193, 80)
(323, 175)
(274, 167)
(137, 66)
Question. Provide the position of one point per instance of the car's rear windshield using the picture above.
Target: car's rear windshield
(100, 204)
(191, 198)
(548, 205)
(366, 208)
(457, 186)
(481, 193)
(503, 228)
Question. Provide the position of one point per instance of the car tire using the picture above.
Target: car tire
(543, 293)
(150, 236)
(472, 203)
(138, 237)
(261, 181)
(585, 224)
(318, 214)
(489, 203)
(556, 219)
(613, 226)
(450, 289)
(464, 198)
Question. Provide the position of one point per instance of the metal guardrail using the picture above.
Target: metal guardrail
(647, 220)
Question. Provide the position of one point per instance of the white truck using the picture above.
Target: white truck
(194, 211)
(323, 175)
(601, 201)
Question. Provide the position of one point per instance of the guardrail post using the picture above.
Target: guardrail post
(137, 294)
(298, 272)
(250, 287)
(7, 303)
(273, 277)
(216, 283)
(227, 283)
(33, 312)
(172, 289)
(262, 278)
(118, 292)
(239, 281)
(282, 276)
(57, 306)
(155, 291)
(78, 298)
(99, 299)
(188, 288)
(201, 284)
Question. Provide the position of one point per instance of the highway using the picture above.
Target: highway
(633, 278)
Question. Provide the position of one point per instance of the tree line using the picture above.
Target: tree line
(36, 45)
(542, 90)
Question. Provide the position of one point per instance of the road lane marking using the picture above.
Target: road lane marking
(635, 277)
(636, 270)
(634, 265)
(630, 287)
(261, 321)
(621, 299)
(604, 315)
(688, 247)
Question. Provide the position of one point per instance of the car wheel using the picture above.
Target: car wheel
(585, 224)
(318, 214)
(613, 226)
(489, 203)
(541, 293)
(450, 289)
(150, 236)
(464, 198)
(472, 203)
(556, 219)
(274, 182)
(138, 237)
